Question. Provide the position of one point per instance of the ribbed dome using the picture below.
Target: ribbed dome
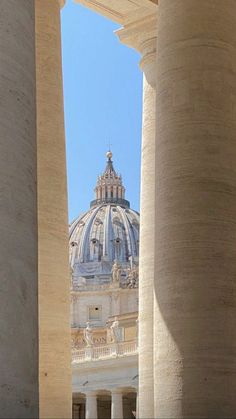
(108, 232)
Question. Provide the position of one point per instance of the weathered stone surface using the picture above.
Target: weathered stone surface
(195, 337)
(18, 213)
(141, 35)
(54, 302)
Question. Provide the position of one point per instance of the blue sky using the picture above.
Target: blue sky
(103, 102)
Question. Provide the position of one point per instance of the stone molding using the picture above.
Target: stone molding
(142, 36)
(119, 11)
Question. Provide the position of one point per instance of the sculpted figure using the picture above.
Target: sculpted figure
(115, 331)
(88, 335)
(132, 277)
(116, 272)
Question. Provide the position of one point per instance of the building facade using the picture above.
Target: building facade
(104, 259)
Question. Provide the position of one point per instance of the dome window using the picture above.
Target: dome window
(98, 221)
(73, 244)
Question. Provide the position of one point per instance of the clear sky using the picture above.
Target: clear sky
(103, 101)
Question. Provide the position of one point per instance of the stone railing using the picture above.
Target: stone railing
(112, 350)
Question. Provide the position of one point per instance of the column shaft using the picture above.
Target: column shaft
(137, 405)
(146, 261)
(141, 35)
(18, 213)
(116, 405)
(54, 302)
(195, 287)
(91, 406)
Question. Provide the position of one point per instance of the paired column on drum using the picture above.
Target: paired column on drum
(141, 35)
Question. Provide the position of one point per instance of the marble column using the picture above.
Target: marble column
(195, 287)
(116, 404)
(91, 405)
(18, 212)
(142, 36)
(54, 283)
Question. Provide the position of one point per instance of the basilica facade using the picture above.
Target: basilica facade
(104, 257)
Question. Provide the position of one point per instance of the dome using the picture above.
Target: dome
(108, 232)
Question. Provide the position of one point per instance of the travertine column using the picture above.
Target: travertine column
(137, 404)
(142, 36)
(54, 302)
(91, 405)
(18, 213)
(195, 288)
(116, 404)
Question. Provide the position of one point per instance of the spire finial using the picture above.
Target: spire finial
(109, 155)
(109, 152)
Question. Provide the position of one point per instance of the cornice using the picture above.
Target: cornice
(121, 11)
(140, 35)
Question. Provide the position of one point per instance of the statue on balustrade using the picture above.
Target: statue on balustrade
(116, 332)
(88, 335)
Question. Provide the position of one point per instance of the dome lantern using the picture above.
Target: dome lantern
(109, 187)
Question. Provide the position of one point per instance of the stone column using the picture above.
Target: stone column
(91, 405)
(116, 404)
(18, 213)
(54, 283)
(195, 288)
(137, 406)
(142, 36)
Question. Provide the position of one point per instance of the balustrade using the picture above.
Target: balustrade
(94, 353)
